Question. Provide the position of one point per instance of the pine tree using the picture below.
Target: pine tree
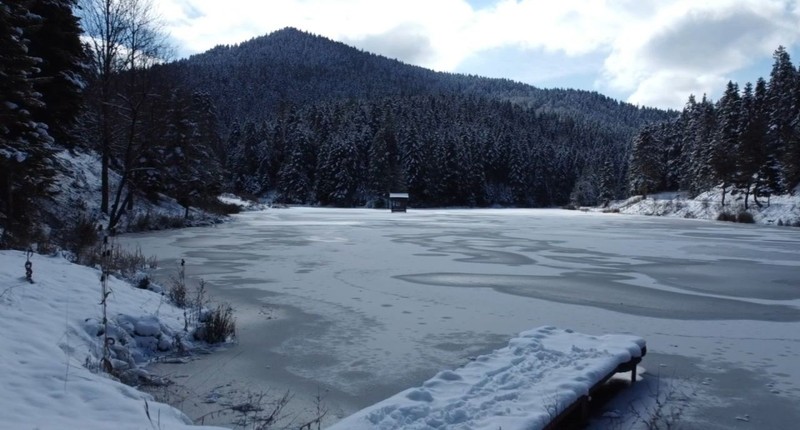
(606, 187)
(674, 153)
(296, 177)
(782, 111)
(337, 173)
(27, 160)
(234, 157)
(55, 39)
(750, 149)
(384, 171)
(645, 166)
(205, 113)
(723, 146)
(415, 159)
(769, 173)
(686, 142)
(701, 127)
(473, 171)
(193, 172)
(791, 157)
(253, 154)
(382, 166)
(519, 169)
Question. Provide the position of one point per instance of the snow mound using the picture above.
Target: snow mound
(522, 386)
(51, 332)
(245, 205)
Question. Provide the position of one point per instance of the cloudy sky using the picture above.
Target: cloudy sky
(649, 52)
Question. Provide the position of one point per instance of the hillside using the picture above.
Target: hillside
(302, 119)
(256, 78)
(308, 120)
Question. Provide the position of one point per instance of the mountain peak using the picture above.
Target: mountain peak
(289, 30)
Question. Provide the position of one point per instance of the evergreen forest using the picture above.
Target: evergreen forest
(748, 141)
(296, 118)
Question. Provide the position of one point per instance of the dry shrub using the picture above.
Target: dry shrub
(177, 293)
(745, 217)
(726, 216)
(219, 325)
(120, 262)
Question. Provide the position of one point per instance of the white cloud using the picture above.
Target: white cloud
(657, 51)
(671, 88)
(408, 42)
(233, 21)
(693, 47)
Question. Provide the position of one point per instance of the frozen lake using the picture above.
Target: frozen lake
(356, 304)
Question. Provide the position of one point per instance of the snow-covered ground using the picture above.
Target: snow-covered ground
(49, 343)
(245, 205)
(78, 196)
(358, 305)
(777, 210)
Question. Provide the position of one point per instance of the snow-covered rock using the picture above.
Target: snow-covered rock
(147, 326)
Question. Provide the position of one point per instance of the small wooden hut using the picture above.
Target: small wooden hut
(398, 202)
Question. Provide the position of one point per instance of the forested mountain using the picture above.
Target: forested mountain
(320, 122)
(290, 115)
(748, 141)
(252, 80)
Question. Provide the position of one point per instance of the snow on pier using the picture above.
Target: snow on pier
(529, 384)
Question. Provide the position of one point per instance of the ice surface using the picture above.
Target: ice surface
(373, 303)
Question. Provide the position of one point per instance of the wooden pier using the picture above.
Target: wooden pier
(579, 410)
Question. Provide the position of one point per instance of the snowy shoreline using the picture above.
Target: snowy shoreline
(48, 339)
(781, 210)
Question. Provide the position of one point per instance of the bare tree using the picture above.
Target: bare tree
(103, 23)
(126, 39)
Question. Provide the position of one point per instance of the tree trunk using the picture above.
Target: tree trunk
(105, 159)
(117, 215)
(9, 209)
(746, 196)
(755, 193)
